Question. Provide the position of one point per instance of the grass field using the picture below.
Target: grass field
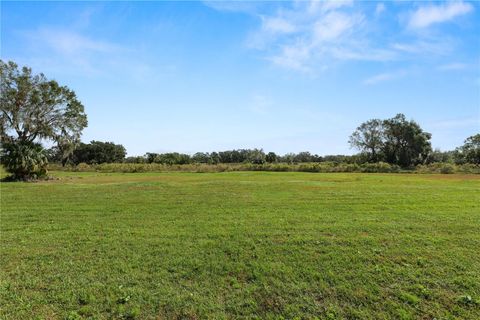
(241, 245)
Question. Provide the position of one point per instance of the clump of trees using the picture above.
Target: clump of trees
(469, 152)
(253, 156)
(95, 152)
(403, 142)
(34, 108)
(396, 141)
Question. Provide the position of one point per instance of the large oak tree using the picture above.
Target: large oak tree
(395, 140)
(32, 109)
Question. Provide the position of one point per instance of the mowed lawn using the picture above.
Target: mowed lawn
(241, 245)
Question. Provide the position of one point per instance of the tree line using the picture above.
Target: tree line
(35, 109)
(403, 154)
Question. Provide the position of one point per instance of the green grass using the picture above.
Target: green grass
(241, 245)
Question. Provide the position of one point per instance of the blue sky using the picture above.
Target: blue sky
(283, 76)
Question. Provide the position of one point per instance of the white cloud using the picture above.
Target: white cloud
(276, 24)
(54, 48)
(428, 15)
(456, 123)
(379, 9)
(70, 43)
(293, 57)
(260, 104)
(453, 66)
(68, 51)
(432, 46)
(309, 35)
(249, 7)
(317, 6)
(382, 77)
(333, 25)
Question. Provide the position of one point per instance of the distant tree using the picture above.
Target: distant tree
(369, 139)
(271, 157)
(256, 156)
(317, 158)
(214, 158)
(304, 156)
(233, 156)
(137, 159)
(99, 152)
(172, 158)
(470, 151)
(54, 155)
(288, 158)
(150, 157)
(34, 108)
(405, 143)
(229, 156)
(201, 157)
(440, 156)
(340, 158)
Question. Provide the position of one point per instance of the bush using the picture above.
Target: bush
(447, 168)
(24, 161)
(325, 167)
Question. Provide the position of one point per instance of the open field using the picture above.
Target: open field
(241, 245)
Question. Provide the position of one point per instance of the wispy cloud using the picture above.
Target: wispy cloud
(308, 35)
(456, 123)
(453, 66)
(382, 77)
(427, 15)
(379, 9)
(260, 104)
(311, 36)
(441, 46)
(277, 25)
(55, 47)
(294, 56)
(249, 7)
(71, 43)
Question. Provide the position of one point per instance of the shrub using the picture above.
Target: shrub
(24, 161)
(447, 168)
(325, 167)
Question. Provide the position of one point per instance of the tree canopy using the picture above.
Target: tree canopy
(98, 152)
(395, 140)
(34, 108)
(369, 137)
(470, 151)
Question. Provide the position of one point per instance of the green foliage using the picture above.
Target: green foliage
(201, 157)
(98, 152)
(470, 151)
(325, 167)
(241, 245)
(441, 156)
(172, 158)
(306, 156)
(396, 141)
(256, 156)
(24, 160)
(448, 168)
(271, 157)
(369, 138)
(34, 108)
(138, 159)
(406, 144)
